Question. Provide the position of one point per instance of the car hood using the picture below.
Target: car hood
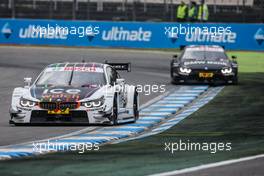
(63, 94)
(205, 64)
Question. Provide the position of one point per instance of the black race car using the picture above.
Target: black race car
(206, 64)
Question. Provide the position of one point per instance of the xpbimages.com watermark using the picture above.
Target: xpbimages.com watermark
(60, 32)
(54, 146)
(146, 89)
(212, 147)
(186, 29)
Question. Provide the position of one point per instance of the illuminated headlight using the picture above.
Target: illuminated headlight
(226, 70)
(185, 70)
(27, 103)
(94, 103)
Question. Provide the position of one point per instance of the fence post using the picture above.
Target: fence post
(88, 9)
(126, 9)
(55, 5)
(74, 9)
(134, 11)
(34, 4)
(13, 9)
(145, 6)
(262, 13)
(215, 8)
(166, 10)
(50, 9)
(171, 10)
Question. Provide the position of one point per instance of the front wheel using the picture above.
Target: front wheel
(175, 81)
(235, 81)
(135, 106)
(115, 112)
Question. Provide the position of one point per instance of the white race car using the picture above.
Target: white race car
(76, 93)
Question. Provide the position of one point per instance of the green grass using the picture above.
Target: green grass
(236, 115)
(249, 62)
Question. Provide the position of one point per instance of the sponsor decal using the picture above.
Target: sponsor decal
(205, 62)
(6, 30)
(61, 98)
(61, 91)
(206, 48)
(259, 36)
(32, 32)
(171, 35)
(77, 69)
(121, 34)
(215, 38)
(84, 69)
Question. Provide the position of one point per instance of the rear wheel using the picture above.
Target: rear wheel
(135, 106)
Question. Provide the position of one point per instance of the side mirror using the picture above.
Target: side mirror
(120, 81)
(175, 56)
(27, 82)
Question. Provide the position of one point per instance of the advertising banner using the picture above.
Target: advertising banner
(130, 34)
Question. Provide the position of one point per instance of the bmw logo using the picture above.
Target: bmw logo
(206, 68)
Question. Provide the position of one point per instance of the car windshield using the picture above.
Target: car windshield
(204, 55)
(77, 78)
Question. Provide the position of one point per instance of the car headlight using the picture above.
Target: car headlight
(185, 70)
(27, 103)
(226, 70)
(94, 103)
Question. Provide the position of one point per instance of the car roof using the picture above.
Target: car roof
(205, 48)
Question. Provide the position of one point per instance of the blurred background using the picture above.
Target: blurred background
(227, 11)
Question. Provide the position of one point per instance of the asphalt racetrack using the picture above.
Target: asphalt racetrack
(148, 68)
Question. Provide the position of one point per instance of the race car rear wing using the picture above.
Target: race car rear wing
(120, 66)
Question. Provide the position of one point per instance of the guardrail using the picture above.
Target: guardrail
(130, 34)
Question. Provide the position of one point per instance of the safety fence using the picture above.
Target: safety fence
(248, 11)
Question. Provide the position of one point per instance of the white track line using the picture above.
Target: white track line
(208, 166)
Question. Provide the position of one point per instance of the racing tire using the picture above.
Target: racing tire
(175, 81)
(115, 112)
(235, 81)
(135, 106)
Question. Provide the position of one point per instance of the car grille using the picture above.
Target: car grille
(59, 105)
(42, 116)
(209, 70)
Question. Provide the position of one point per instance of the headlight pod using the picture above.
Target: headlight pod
(185, 70)
(226, 70)
(27, 103)
(94, 103)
